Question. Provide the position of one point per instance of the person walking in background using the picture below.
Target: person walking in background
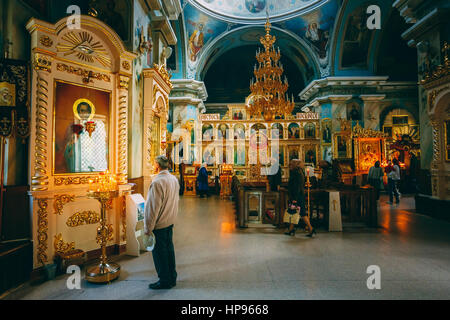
(375, 177)
(161, 210)
(275, 179)
(393, 180)
(202, 181)
(296, 189)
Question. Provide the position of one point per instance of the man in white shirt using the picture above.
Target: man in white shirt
(393, 180)
(161, 210)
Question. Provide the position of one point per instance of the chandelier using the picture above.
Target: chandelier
(268, 96)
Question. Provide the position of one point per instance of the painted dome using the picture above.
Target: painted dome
(255, 10)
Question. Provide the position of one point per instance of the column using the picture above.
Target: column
(372, 110)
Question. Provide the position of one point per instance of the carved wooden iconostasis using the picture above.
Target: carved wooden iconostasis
(157, 87)
(249, 144)
(78, 129)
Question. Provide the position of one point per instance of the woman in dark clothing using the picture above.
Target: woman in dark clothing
(296, 188)
(275, 180)
(202, 180)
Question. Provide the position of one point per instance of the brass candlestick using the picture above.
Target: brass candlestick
(103, 272)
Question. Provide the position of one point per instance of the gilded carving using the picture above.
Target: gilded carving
(62, 247)
(126, 65)
(60, 201)
(83, 218)
(123, 82)
(83, 72)
(42, 236)
(39, 181)
(105, 233)
(59, 181)
(433, 95)
(359, 132)
(123, 139)
(42, 62)
(84, 47)
(162, 71)
(46, 41)
(439, 72)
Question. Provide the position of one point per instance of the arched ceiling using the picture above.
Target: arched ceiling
(291, 48)
(228, 78)
(254, 11)
(304, 29)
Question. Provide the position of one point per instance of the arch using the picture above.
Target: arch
(441, 108)
(348, 8)
(387, 110)
(294, 131)
(213, 50)
(100, 29)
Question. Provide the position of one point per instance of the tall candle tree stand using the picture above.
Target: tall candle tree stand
(104, 190)
(308, 186)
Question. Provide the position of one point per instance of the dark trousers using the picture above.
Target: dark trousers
(393, 191)
(164, 256)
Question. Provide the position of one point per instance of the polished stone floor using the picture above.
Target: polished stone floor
(217, 261)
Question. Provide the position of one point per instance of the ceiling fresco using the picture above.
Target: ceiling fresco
(248, 11)
(305, 25)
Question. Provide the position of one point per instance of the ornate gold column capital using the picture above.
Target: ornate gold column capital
(42, 62)
(124, 82)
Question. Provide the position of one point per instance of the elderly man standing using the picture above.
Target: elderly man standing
(161, 209)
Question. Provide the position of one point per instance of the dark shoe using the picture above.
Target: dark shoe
(159, 286)
(311, 233)
(290, 233)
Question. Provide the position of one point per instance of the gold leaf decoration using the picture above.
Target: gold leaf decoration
(60, 201)
(84, 47)
(83, 218)
(62, 247)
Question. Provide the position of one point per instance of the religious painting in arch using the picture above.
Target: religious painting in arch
(223, 131)
(294, 131)
(207, 132)
(356, 40)
(258, 128)
(239, 131)
(81, 133)
(310, 131)
(277, 131)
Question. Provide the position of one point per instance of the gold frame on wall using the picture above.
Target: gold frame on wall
(348, 141)
(110, 130)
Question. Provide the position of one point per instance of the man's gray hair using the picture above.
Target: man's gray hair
(163, 162)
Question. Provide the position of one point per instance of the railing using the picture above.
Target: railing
(358, 204)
